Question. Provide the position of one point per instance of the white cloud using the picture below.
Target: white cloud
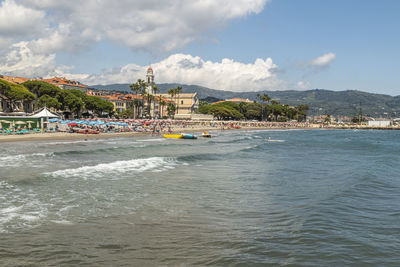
(22, 62)
(150, 25)
(303, 85)
(19, 21)
(324, 60)
(179, 68)
(33, 31)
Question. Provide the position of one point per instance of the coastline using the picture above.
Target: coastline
(84, 137)
(196, 130)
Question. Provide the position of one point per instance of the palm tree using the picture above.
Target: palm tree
(142, 90)
(264, 98)
(155, 90)
(161, 106)
(177, 92)
(171, 92)
(143, 94)
(136, 88)
(149, 100)
(170, 109)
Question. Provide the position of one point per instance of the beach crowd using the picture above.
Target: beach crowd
(94, 126)
(97, 126)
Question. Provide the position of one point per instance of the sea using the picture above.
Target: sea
(241, 198)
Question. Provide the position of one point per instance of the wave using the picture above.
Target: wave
(198, 157)
(117, 167)
(19, 209)
(117, 147)
(5, 185)
(17, 160)
(231, 141)
(152, 140)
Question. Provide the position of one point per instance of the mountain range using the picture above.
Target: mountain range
(320, 101)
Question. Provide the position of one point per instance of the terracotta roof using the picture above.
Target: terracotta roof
(63, 81)
(16, 80)
(121, 97)
(55, 81)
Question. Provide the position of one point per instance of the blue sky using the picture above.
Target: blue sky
(362, 36)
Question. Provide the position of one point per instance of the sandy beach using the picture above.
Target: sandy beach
(78, 136)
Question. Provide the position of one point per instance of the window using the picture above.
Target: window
(181, 102)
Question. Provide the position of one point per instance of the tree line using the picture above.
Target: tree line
(43, 94)
(264, 109)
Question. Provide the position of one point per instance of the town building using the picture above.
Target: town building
(96, 92)
(150, 92)
(13, 79)
(60, 82)
(27, 107)
(150, 81)
(64, 83)
(238, 100)
(15, 106)
(122, 102)
(185, 103)
(380, 123)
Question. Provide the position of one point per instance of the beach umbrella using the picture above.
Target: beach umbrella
(29, 123)
(3, 121)
(72, 124)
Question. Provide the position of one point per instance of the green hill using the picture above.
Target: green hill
(321, 102)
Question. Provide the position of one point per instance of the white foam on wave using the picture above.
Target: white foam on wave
(27, 213)
(117, 167)
(5, 185)
(152, 140)
(63, 222)
(17, 160)
(76, 141)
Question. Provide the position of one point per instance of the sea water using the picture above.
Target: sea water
(315, 198)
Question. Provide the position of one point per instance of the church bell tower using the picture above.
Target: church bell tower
(150, 80)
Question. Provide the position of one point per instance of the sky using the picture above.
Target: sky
(236, 45)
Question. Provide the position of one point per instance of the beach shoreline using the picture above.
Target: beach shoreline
(100, 136)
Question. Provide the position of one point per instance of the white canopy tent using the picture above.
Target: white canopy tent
(45, 113)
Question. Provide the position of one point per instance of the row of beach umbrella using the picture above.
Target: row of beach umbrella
(87, 122)
(14, 123)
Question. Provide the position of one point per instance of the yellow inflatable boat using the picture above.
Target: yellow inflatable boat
(173, 135)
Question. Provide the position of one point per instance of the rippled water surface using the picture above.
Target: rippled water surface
(308, 198)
